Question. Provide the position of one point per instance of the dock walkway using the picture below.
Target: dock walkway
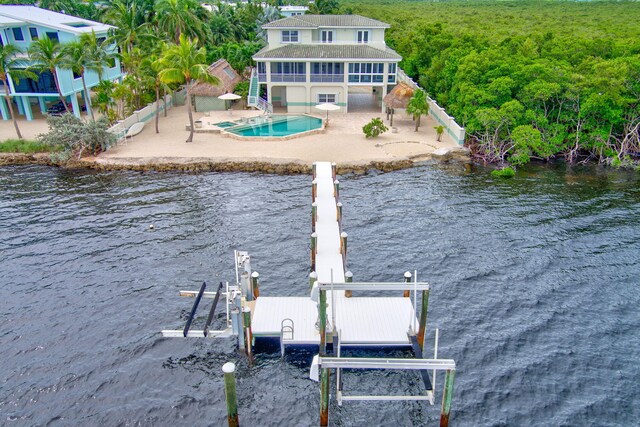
(362, 321)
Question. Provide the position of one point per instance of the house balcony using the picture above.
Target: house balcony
(327, 78)
(288, 78)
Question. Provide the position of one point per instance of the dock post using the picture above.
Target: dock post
(314, 246)
(255, 284)
(348, 278)
(423, 319)
(313, 171)
(324, 397)
(246, 312)
(343, 248)
(407, 279)
(229, 370)
(314, 215)
(339, 213)
(336, 189)
(447, 395)
(322, 314)
(245, 285)
(313, 278)
(333, 171)
(314, 190)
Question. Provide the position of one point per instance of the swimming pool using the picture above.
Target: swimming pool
(277, 126)
(225, 124)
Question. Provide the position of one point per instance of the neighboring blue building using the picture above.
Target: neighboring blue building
(19, 26)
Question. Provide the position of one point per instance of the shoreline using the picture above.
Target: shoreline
(206, 164)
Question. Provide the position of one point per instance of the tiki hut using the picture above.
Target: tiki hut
(398, 98)
(206, 95)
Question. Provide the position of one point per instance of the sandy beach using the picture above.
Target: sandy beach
(342, 142)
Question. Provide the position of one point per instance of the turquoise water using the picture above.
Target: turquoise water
(279, 126)
(226, 124)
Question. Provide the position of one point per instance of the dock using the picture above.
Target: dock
(362, 321)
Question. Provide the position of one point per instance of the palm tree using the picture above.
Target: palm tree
(131, 22)
(75, 58)
(96, 54)
(176, 17)
(47, 56)
(8, 64)
(418, 106)
(151, 68)
(186, 63)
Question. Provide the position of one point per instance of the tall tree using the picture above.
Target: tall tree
(97, 55)
(9, 65)
(151, 67)
(131, 20)
(46, 55)
(186, 63)
(418, 106)
(177, 17)
(75, 57)
(324, 7)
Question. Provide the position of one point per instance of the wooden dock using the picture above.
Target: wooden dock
(362, 321)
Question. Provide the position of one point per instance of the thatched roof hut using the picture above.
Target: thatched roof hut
(399, 96)
(228, 77)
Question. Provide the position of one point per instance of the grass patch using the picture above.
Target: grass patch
(25, 146)
(507, 172)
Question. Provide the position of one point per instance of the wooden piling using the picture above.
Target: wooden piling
(336, 189)
(333, 171)
(339, 213)
(343, 248)
(423, 319)
(255, 284)
(314, 215)
(314, 170)
(229, 370)
(313, 278)
(447, 396)
(407, 279)
(314, 190)
(324, 397)
(314, 249)
(246, 312)
(323, 322)
(348, 278)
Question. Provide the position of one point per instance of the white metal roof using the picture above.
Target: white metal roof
(12, 15)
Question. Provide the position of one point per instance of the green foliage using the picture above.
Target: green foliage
(418, 106)
(75, 137)
(439, 131)
(507, 172)
(570, 70)
(374, 128)
(25, 146)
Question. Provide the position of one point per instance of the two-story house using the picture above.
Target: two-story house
(20, 26)
(315, 59)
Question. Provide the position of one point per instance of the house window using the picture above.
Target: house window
(100, 40)
(324, 98)
(366, 72)
(53, 35)
(326, 36)
(392, 72)
(111, 61)
(33, 32)
(76, 75)
(290, 36)
(17, 34)
(363, 36)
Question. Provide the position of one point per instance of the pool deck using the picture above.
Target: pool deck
(342, 142)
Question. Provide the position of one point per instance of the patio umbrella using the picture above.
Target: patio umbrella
(229, 97)
(327, 107)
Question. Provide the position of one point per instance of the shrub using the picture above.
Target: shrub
(25, 146)
(76, 137)
(374, 128)
(439, 130)
(504, 173)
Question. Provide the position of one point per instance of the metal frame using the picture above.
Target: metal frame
(374, 286)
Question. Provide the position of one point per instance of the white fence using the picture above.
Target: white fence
(438, 113)
(143, 115)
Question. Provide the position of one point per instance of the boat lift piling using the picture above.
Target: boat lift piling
(229, 370)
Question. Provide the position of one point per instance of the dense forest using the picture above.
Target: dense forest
(528, 79)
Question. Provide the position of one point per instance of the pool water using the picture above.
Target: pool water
(278, 126)
(225, 124)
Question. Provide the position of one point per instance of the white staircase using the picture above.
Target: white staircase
(254, 99)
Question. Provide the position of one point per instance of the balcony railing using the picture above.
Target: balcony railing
(295, 78)
(327, 78)
(262, 77)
